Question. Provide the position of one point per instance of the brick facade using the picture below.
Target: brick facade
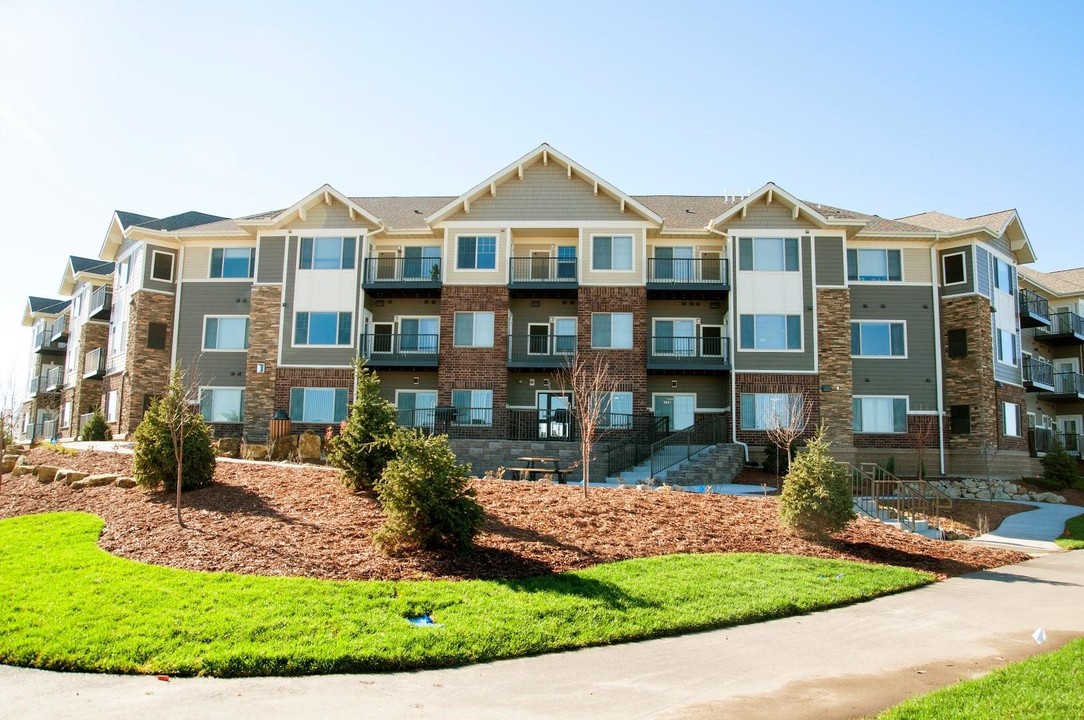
(146, 371)
(777, 383)
(286, 378)
(834, 361)
(628, 366)
(87, 394)
(263, 340)
(1012, 394)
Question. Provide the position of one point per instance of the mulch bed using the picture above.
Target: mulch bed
(276, 519)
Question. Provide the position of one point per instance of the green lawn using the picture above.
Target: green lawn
(1046, 686)
(65, 604)
(1073, 539)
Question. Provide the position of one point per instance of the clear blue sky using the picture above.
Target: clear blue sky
(233, 108)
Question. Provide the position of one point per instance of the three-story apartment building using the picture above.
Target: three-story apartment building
(896, 333)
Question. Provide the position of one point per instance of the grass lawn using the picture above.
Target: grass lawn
(65, 604)
(1073, 538)
(1046, 686)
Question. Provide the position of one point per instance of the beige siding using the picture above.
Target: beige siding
(610, 277)
(197, 263)
(760, 215)
(498, 276)
(392, 380)
(404, 307)
(916, 265)
(336, 215)
(523, 314)
(545, 194)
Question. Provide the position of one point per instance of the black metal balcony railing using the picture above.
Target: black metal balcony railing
(401, 349)
(54, 379)
(400, 270)
(49, 430)
(1040, 440)
(1069, 383)
(1034, 309)
(60, 329)
(1038, 373)
(544, 270)
(101, 303)
(686, 352)
(444, 420)
(522, 424)
(540, 350)
(44, 342)
(1065, 328)
(94, 363)
(40, 385)
(689, 271)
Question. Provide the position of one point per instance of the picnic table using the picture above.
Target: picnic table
(536, 466)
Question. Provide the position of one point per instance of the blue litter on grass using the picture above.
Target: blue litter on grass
(423, 621)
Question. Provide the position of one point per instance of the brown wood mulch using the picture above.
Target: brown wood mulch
(276, 519)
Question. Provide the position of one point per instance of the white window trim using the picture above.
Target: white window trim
(800, 349)
(203, 344)
(1004, 417)
(775, 235)
(903, 268)
(492, 340)
(293, 330)
(944, 273)
(787, 395)
(172, 265)
(1015, 362)
(612, 236)
(907, 414)
(632, 337)
(252, 269)
(322, 235)
(241, 410)
(496, 252)
(996, 258)
(884, 357)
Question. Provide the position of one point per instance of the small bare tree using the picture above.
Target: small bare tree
(787, 421)
(922, 439)
(588, 382)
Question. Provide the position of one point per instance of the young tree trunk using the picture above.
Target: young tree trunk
(179, 451)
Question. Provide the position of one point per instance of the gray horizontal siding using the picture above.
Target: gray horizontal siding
(761, 215)
(148, 265)
(523, 314)
(392, 307)
(197, 301)
(916, 376)
(687, 309)
(306, 356)
(712, 391)
(1008, 373)
(831, 267)
(964, 288)
(783, 361)
(982, 271)
(392, 380)
(269, 262)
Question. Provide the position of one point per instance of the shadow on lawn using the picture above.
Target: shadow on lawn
(870, 552)
(607, 593)
(226, 500)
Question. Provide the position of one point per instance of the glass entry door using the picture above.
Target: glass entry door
(1070, 433)
(674, 263)
(554, 415)
(675, 337)
(679, 409)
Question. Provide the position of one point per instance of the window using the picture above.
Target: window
(476, 252)
(66, 415)
(771, 332)
(879, 414)
(1010, 419)
(232, 262)
(417, 408)
(874, 266)
(768, 254)
(318, 405)
(953, 269)
(473, 407)
(322, 328)
(327, 253)
(123, 268)
(421, 263)
(566, 262)
(156, 336)
(221, 405)
(112, 405)
(611, 252)
(225, 333)
(611, 331)
(1006, 347)
(616, 410)
(77, 305)
(877, 339)
(162, 266)
(960, 419)
(1004, 276)
(957, 343)
(760, 411)
(473, 329)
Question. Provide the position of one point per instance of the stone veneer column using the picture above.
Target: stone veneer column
(970, 380)
(463, 368)
(834, 361)
(628, 366)
(88, 392)
(263, 347)
(146, 371)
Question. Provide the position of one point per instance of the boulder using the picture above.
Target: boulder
(23, 470)
(1001, 495)
(47, 473)
(252, 451)
(14, 450)
(70, 476)
(309, 447)
(284, 448)
(1010, 488)
(7, 463)
(23, 462)
(228, 447)
(99, 480)
(125, 482)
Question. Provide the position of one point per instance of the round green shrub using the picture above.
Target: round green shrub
(96, 428)
(155, 464)
(1059, 467)
(816, 499)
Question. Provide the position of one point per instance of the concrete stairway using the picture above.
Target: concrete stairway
(868, 506)
(714, 466)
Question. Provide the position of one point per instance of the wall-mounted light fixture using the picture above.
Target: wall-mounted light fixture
(261, 368)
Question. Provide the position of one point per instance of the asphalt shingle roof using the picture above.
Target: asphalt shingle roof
(1063, 282)
(91, 265)
(47, 305)
(181, 221)
(400, 213)
(128, 219)
(942, 222)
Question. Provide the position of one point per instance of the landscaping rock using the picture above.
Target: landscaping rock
(67, 476)
(23, 470)
(7, 463)
(125, 482)
(47, 474)
(285, 448)
(228, 447)
(253, 451)
(98, 480)
(309, 447)
(77, 485)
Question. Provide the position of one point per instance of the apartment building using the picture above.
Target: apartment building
(897, 333)
(41, 407)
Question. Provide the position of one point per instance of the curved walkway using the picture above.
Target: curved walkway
(1032, 530)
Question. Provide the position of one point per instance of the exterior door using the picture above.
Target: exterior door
(680, 409)
(539, 341)
(675, 337)
(554, 415)
(383, 335)
(711, 267)
(417, 408)
(540, 265)
(386, 261)
(711, 340)
(1070, 432)
(421, 263)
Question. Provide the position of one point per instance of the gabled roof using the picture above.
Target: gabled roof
(1059, 282)
(688, 212)
(545, 153)
(325, 193)
(401, 213)
(180, 221)
(127, 219)
(823, 214)
(77, 265)
(42, 306)
(1004, 223)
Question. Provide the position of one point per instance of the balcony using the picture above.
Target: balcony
(542, 275)
(40, 386)
(540, 352)
(1034, 310)
(419, 277)
(1040, 440)
(1067, 386)
(1038, 375)
(44, 342)
(400, 351)
(688, 354)
(60, 330)
(94, 364)
(1066, 328)
(100, 306)
(54, 379)
(676, 278)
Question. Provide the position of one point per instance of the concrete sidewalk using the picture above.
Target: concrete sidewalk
(840, 663)
(1032, 530)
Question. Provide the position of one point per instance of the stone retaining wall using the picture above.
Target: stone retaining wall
(486, 455)
(978, 489)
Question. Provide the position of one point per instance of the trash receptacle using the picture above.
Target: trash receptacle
(280, 425)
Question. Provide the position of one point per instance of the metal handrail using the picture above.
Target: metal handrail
(527, 348)
(402, 270)
(687, 271)
(1039, 371)
(635, 448)
(101, 299)
(539, 269)
(685, 444)
(1033, 303)
(1063, 322)
(909, 501)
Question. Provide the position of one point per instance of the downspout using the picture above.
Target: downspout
(934, 285)
(733, 355)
